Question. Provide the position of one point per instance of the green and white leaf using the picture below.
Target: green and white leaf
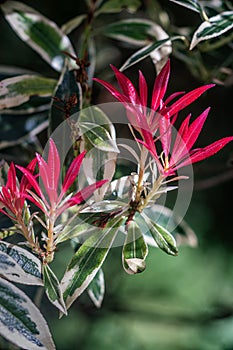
(98, 136)
(135, 31)
(40, 33)
(75, 229)
(98, 164)
(213, 28)
(72, 24)
(21, 321)
(114, 6)
(135, 250)
(162, 236)
(96, 288)
(104, 207)
(66, 88)
(145, 52)
(119, 189)
(86, 262)
(53, 289)
(193, 5)
(19, 265)
(18, 90)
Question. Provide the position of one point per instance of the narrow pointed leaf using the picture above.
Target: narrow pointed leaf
(162, 237)
(190, 4)
(67, 92)
(72, 24)
(145, 52)
(86, 263)
(86, 192)
(19, 265)
(72, 172)
(135, 250)
(21, 321)
(160, 86)
(18, 90)
(213, 28)
(40, 33)
(96, 288)
(53, 289)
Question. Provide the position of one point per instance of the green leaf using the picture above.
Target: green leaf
(96, 288)
(53, 289)
(179, 228)
(21, 321)
(193, 5)
(136, 31)
(213, 28)
(98, 164)
(98, 137)
(135, 250)
(40, 33)
(145, 52)
(114, 6)
(87, 261)
(66, 92)
(19, 265)
(18, 90)
(162, 237)
(76, 229)
(72, 24)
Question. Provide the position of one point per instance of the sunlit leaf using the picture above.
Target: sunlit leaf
(193, 5)
(96, 288)
(86, 262)
(19, 265)
(38, 32)
(21, 321)
(18, 90)
(213, 28)
(53, 289)
(162, 237)
(135, 250)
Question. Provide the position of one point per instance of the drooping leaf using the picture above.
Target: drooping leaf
(53, 289)
(21, 321)
(114, 6)
(67, 98)
(135, 250)
(19, 265)
(179, 228)
(162, 237)
(193, 5)
(135, 31)
(96, 288)
(18, 90)
(72, 24)
(86, 262)
(213, 28)
(38, 32)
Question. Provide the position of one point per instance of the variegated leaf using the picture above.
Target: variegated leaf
(213, 28)
(18, 90)
(114, 6)
(162, 237)
(135, 31)
(53, 289)
(193, 5)
(21, 321)
(19, 265)
(72, 24)
(135, 250)
(86, 262)
(38, 32)
(96, 288)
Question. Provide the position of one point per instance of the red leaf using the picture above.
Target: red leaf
(85, 193)
(160, 86)
(72, 172)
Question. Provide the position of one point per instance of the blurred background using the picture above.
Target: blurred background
(177, 303)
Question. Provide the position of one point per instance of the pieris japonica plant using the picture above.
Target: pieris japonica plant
(70, 192)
